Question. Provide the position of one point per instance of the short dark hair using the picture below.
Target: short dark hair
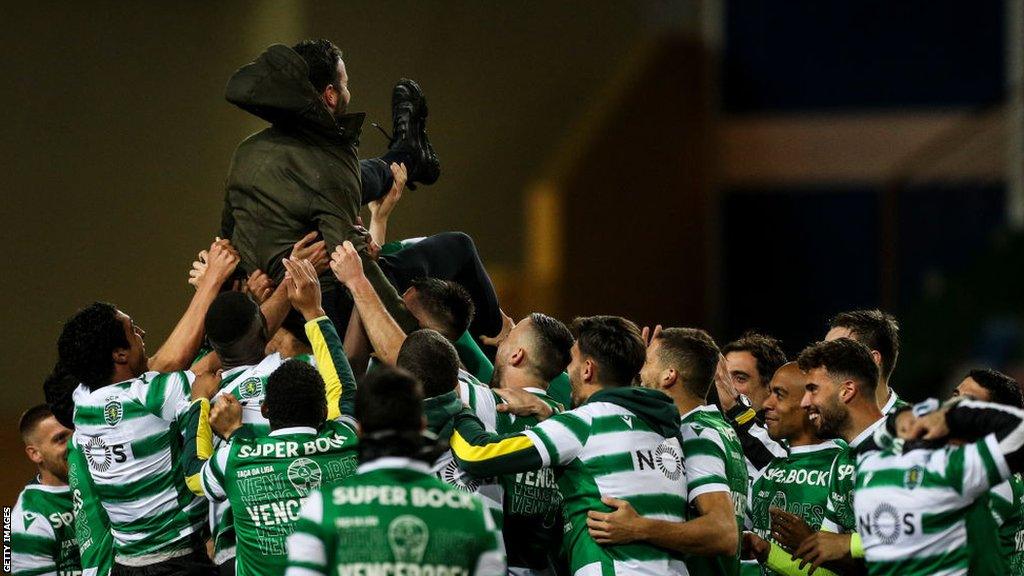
(1004, 390)
(875, 329)
(322, 58)
(389, 399)
(767, 351)
(229, 318)
(295, 325)
(844, 357)
(58, 389)
(615, 343)
(295, 396)
(553, 346)
(31, 419)
(448, 303)
(694, 355)
(432, 359)
(87, 342)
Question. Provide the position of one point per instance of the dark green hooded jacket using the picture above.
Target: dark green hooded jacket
(298, 175)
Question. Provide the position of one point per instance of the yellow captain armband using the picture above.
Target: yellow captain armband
(856, 546)
(783, 562)
(746, 416)
(204, 435)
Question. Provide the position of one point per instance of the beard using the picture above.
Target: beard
(832, 419)
(498, 374)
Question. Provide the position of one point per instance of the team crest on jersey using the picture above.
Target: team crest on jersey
(885, 522)
(251, 388)
(97, 455)
(669, 461)
(407, 536)
(912, 478)
(113, 411)
(305, 475)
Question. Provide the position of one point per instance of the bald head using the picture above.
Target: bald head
(784, 418)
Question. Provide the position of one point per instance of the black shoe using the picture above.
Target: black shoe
(409, 136)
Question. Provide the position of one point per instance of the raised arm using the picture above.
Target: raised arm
(385, 333)
(331, 362)
(380, 210)
(180, 347)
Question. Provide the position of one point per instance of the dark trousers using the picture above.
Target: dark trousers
(376, 174)
(448, 256)
(197, 563)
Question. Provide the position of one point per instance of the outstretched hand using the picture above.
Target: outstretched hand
(303, 288)
(507, 324)
(346, 264)
(309, 248)
(381, 209)
(522, 403)
(221, 261)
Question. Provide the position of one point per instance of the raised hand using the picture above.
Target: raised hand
(260, 286)
(303, 288)
(345, 263)
(381, 209)
(723, 383)
(650, 336)
(507, 324)
(309, 248)
(226, 416)
(198, 269)
(221, 261)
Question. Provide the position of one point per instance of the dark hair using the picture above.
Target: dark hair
(58, 389)
(230, 317)
(767, 351)
(295, 396)
(876, 330)
(553, 346)
(295, 325)
(615, 344)
(448, 304)
(694, 355)
(389, 399)
(1003, 389)
(844, 357)
(322, 58)
(87, 342)
(432, 359)
(31, 418)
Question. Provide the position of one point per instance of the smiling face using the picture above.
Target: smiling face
(821, 401)
(47, 447)
(783, 416)
(742, 367)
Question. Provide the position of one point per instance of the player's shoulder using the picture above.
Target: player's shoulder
(37, 502)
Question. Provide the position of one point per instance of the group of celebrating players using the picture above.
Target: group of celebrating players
(330, 403)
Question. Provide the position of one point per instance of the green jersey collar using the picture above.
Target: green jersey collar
(867, 433)
(827, 445)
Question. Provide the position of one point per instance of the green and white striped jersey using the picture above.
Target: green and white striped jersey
(266, 478)
(797, 483)
(600, 449)
(394, 517)
(893, 403)
(131, 438)
(839, 516)
(714, 462)
(248, 384)
(1006, 502)
(911, 506)
(43, 532)
(92, 527)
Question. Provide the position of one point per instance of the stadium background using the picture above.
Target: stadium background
(726, 164)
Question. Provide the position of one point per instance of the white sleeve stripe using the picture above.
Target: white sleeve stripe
(211, 487)
(542, 449)
(995, 447)
(707, 489)
(307, 548)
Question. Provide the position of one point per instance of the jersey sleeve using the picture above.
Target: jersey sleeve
(212, 478)
(92, 526)
(561, 438)
(307, 546)
(198, 442)
(167, 395)
(971, 469)
(34, 547)
(331, 362)
(705, 461)
(1001, 502)
(482, 453)
(492, 559)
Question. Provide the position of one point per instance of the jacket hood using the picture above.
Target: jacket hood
(439, 411)
(654, 407)
(276, 88)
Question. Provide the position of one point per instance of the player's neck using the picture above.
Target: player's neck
(684, 401)
(861, 418)
(882, 392)
(250, 359)
(47, 478)
(804, 438)
(520, 380)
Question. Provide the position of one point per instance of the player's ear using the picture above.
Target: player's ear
(34, 454)
(669, 377)
(517, 357)
(848, 390)
(588, 371)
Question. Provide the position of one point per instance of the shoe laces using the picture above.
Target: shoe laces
(383, 131)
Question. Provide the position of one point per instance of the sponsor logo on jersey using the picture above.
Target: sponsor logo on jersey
(407, 536)
(305, 475)
(29, 518)
(669, 461)
(251, 388)
(451, 474)
(887, 524)
(97, 454)
(113, 411)
(628, 420)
